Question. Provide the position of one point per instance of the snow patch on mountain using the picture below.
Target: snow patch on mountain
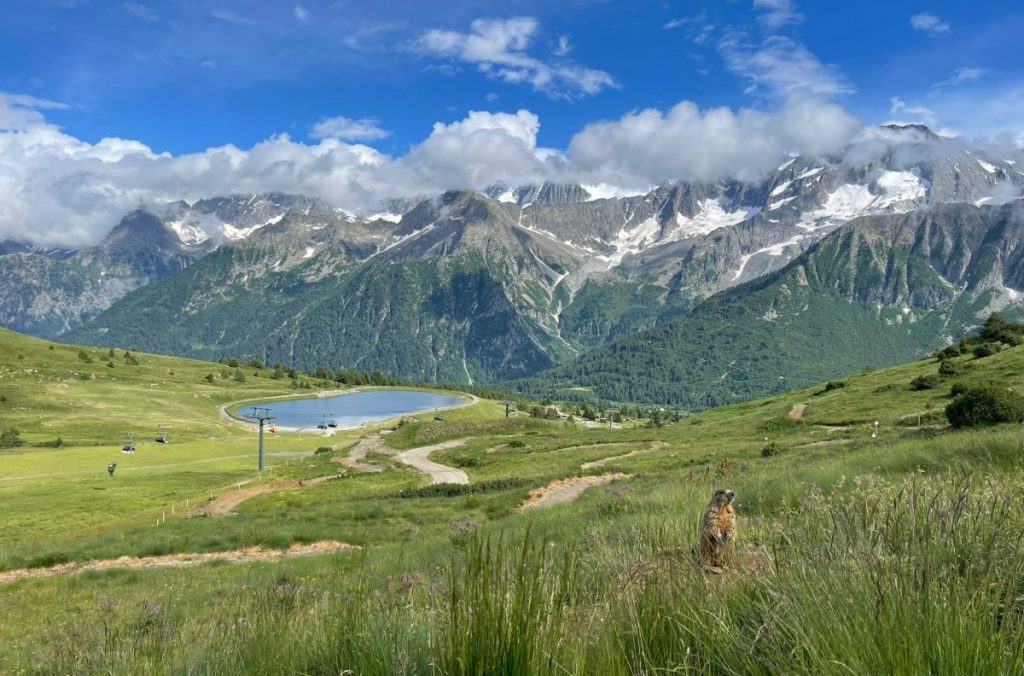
(986, 166)
(782, 202)
(604, 191)
(233, 233)
(388, 216)
(773, 250)
(632, 241)
(711, 217)
(187, 232)
(900, 191)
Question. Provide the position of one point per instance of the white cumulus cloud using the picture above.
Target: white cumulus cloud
(927, 22)
(648, 147)
(347, 129)
(498, 48)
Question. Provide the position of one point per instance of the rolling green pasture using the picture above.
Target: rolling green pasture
(850, 534)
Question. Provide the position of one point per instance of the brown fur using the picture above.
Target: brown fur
(717, 530)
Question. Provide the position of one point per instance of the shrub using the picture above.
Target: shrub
(832, 386)
(957, 390)
(465, 461)
(948, 368)
(948, 352)
(780, 423)
(985, 350)
(323, 450)
(925, 382)
(516, 443)
(10, 438)
(452, 490)
(985, 405)
(771, 449)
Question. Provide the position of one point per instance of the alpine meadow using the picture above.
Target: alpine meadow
(466, 338)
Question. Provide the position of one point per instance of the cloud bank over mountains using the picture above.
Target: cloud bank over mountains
(59, 190)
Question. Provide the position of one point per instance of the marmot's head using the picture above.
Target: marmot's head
(722, 497)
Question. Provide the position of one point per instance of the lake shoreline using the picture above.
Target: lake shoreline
(229, 411)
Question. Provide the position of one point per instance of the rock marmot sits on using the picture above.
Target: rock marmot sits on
(717, 530)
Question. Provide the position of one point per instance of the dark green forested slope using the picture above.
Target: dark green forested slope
(877, 292)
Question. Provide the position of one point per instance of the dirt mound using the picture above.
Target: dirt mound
(561, 491)
(247, 555)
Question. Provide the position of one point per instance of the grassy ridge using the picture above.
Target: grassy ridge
(894, 553)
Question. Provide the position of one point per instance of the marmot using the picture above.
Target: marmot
(717, 530)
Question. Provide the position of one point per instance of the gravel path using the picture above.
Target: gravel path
(561, 491)
(439, 474)
(358, 453)
(797, 412)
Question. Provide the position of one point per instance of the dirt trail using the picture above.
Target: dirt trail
(371, 444)
(797, 412)
(655, 446)
(439, 474)
(250, 554)
(227, 503)
(561, 491)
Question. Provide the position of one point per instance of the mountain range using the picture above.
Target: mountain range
(824, 266)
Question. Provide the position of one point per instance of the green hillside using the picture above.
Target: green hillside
(886, 526)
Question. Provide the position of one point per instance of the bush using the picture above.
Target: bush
(948, 352)
(957, 390)
(948, 368)
(832, 386)
(986, 350)
(985, 405)
(10, 438)
(925, 382)
(770, 450)
(452, 490)
(516, 443)
(780, 423)
(323, 450)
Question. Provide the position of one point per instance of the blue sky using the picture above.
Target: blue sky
(182, 75)
(105, 104)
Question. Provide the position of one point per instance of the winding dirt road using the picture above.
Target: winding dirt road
(439, 474)
(227, 503)
(247, 555)
(358, 453)
(561, 491)
(655, 446)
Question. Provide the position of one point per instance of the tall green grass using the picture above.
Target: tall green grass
(919, 575)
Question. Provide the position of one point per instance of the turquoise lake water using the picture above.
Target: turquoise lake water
(353, 410)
